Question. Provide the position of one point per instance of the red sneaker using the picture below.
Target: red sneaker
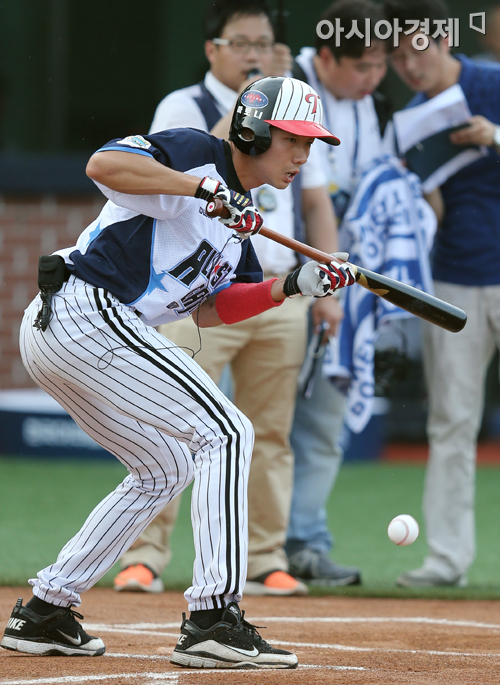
(277, 583)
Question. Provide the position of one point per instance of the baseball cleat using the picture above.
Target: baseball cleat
(231, 643)
(277, 584)
(58, 634)
(138, 578)
(316, 568)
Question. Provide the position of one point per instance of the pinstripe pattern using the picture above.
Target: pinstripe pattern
(291, 103)
(151, 405)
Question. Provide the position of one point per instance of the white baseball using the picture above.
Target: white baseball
(403, 530)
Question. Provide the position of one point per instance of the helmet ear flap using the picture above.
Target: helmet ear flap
(247, 135)
(250, 135)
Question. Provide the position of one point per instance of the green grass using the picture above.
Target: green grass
(43, 503)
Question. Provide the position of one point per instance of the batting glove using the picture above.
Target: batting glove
(244, 217)
(318, 280)
(344, 272)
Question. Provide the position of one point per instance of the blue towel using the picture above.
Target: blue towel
(388, 228)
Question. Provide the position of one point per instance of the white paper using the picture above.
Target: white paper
(444, 111)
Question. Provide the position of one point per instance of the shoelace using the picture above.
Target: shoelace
(250, 629)
(75, 614)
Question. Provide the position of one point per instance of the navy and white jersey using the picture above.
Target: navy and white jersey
(161, 254)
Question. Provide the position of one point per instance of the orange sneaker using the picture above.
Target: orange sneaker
(278, 583)
(138, 578)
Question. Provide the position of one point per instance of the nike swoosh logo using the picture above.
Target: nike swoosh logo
(74, 641)
(246, 652)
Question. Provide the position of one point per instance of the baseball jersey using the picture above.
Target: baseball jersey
(467, 244)
(162, 254)
(201, 106)
(356, 123)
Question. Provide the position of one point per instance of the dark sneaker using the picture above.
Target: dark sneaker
(58, 634)
(316, 568)
(231, 643)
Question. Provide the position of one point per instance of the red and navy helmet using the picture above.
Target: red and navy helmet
(285, 103)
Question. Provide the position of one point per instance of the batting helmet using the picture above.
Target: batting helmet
(286, 103)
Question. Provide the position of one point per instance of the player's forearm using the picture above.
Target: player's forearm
(239, 302)
(206, 315)
(319, 217)
(138, 175)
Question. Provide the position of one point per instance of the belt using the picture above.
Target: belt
(52, 274)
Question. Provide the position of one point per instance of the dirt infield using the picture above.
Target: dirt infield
(349, 641)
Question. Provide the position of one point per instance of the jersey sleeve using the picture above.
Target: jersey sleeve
(180, 149)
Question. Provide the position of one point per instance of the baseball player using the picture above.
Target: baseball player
(152, 256)
(264, 353)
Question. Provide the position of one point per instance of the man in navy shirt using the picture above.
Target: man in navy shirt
(154, 255)
(466, 272)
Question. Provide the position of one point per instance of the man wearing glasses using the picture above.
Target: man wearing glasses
(265, 355)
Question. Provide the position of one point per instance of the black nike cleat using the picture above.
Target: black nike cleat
(231, 643)
(58, 634)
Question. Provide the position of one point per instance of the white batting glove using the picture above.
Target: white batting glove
(244, 218)
(344, 272)
(317, 280)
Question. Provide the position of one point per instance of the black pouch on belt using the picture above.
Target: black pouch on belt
(52, 274)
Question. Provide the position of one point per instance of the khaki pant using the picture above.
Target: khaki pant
(456, 365)
(265, 354)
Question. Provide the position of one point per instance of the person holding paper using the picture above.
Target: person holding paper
(466, 272)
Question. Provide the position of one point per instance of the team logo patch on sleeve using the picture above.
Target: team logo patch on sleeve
(135, 141)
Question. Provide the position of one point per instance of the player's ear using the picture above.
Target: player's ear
(210, 49)
(325, 55)
(444, 44)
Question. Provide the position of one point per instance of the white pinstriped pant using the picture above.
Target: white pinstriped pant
(151, 405)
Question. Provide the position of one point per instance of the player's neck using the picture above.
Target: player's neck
(245, 168)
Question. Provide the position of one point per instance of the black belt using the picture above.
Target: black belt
(52, 274)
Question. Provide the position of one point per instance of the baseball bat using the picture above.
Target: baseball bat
(405, 296)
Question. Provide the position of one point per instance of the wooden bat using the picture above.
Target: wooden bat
(406, 297)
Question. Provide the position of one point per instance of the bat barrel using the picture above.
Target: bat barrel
(415, 301)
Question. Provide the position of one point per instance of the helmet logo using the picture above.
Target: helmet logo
(310, 97)
(249, 112)
(254, 98)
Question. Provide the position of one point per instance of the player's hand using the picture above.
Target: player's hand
(479, 132)
(257, 74)
(244, 217)
(327, 310)
(318, 280)
(344, 271)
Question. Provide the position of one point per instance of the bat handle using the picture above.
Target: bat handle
(216, 208)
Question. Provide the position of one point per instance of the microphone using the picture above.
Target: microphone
(255, 71)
